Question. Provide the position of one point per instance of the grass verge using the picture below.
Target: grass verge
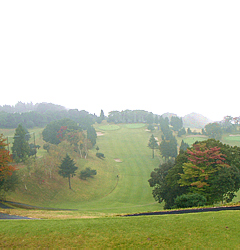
(205, 230)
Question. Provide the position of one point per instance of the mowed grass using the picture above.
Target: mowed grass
(132, 192)
(135, 125)
(200, 230)
(109, 127)
(192, 139)
(118, 187)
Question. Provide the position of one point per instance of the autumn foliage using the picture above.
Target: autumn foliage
(202, 163)
(6, 169)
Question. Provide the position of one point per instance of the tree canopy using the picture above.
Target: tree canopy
(52, 132)
(208, 168)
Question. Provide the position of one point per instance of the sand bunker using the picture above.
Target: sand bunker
(117, 160)
(100, 133)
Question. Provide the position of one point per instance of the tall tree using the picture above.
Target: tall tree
(55, 130)
(208, 173)
(91, 135)
(214, 130)
(20, 148)
(152, 144)
(6, 170)
(102, 116)
(168, 148)
(184, 146)
(67, 169)
(176, 122)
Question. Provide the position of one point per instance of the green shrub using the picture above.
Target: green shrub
(87, 172)
(100, 155)
(190, 200)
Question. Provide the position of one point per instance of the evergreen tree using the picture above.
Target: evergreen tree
(102, 116)
(152, 144)
(184, 146)
(67, 169)
(168, 148)
(176, 122)
(91, 135)
(20, 148)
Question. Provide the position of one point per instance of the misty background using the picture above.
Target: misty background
(159, 56)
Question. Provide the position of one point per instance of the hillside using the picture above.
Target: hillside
(194, 120)
(120, 184)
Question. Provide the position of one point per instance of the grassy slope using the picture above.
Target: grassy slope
(106, 192)
(201, 230)
(129, 192)
(132, 192)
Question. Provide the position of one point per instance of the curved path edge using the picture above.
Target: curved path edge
(185, 211)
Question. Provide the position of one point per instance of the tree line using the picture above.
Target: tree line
(36, 119)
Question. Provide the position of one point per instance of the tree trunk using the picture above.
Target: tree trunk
(153, 153)
(69, 182)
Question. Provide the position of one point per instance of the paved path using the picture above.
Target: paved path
(185, 211)
(14, 217)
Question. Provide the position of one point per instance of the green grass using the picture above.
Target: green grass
(232, 138)
(105, 193)
(191, 140)
(109, 127)
(135, 125)
(200, 230)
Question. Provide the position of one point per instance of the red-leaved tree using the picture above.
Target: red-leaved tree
(6, 169)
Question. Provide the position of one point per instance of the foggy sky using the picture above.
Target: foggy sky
(159, 56)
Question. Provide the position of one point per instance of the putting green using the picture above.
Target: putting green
(109, 127)
(191, 140)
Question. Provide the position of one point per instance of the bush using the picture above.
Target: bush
(87, 172)
(190, 200)
(100, 155)
(150, 127)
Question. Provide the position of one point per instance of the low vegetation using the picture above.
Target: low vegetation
(201, 230)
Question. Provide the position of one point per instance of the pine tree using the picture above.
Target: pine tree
(152, 144)
(67, 169)
(20, 148)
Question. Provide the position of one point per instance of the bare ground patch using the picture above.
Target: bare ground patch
(117, 160)
(100, 133)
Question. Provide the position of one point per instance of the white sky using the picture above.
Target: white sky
(160, 56)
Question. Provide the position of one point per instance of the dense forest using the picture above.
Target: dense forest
(40, 115)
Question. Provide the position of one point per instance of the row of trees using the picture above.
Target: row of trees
(39, 119)
(209, 169)
(21, 107)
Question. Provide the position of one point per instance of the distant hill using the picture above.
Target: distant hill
(195, 120)
(168, 115)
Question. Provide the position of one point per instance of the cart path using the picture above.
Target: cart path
(185, 211)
